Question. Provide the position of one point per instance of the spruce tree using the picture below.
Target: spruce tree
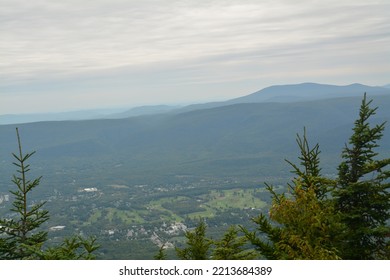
(302, 223)
(20, 237)
(161, 254)
(362, 193)
(308, 172)
(299, 226)
(347, 217)
(198, 245)
(71, 248)
(232, 247)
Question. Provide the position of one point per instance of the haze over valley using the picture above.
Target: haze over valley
(149, 116)
(146, 178)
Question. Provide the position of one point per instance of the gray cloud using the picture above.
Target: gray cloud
(82, 46)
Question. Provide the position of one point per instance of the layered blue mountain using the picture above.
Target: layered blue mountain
(244, 138)
(297, 93)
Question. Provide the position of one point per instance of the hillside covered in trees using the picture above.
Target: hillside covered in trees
(319, 218)
(97, 182)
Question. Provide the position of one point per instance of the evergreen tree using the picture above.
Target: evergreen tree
(302, 224)
(198, 245)
(22, 235)
(265, 238)
(20, 238)
(328, 219)
(72, 248)
(161, 255)
(311, 229)
(310, 176)
(300, 227)
(362, 193)
(232, 247)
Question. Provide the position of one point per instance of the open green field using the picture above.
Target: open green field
(207, 205)
(112, 214)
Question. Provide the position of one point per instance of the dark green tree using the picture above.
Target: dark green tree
(362, 193)
(22, 234)
(71, 248)
(21, 237)
(161, 254)
(265, 238)
(308, 172)
(198, 245)
(302, 223)
(321, 218)
(232, 247)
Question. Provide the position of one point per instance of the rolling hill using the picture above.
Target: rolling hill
(235, 139)
(297, 93)
(157, 169)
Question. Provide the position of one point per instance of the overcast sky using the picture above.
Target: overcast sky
(75, 54)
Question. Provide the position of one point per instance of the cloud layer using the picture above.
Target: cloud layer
(155, 49)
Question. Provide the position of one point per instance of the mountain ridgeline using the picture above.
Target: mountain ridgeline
(139, 179)
(247, 136)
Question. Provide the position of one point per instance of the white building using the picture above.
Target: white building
(90, 189)
(56, 228)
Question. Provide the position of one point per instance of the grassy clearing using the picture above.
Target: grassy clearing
(217, 200)
(95, 216)
(110, 214)
(235, 198)
(156, 205)
(177, 208)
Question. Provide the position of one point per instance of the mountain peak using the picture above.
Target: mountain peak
(307, 91)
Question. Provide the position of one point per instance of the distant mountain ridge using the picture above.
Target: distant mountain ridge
(143, 110)
(241, 139)
(156, 160)
(297, 93)
(62, 116)
(276, 93)
(308, 91)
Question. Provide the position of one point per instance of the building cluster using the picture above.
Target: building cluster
(4, 198)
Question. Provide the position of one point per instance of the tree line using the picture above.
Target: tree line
(321, 218)
(346, 217)
(21, 238)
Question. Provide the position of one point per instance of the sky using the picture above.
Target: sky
(69, 55)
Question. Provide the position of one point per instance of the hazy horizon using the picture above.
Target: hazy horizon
(68, 56)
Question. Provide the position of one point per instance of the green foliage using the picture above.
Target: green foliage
(310, 176)
(161, 255)
(232, 247)
(198, 245)
(323, 218)
(362, 194)
(311, 228)
(303, 224)
(20, 237)
(270, 236)
(318, 218)
(72, 248)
